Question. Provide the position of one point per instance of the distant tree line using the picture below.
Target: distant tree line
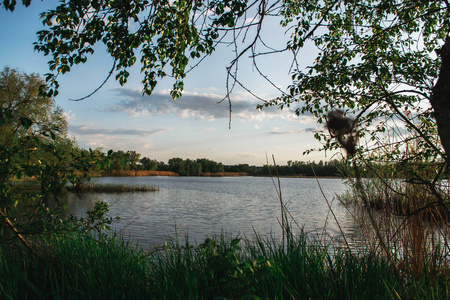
(131, 160)
(302, 168)
(294, 168)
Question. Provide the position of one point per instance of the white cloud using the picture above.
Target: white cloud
(70, 116)
(248, 155)
(91, 130)
(201, 106)
(277, 130)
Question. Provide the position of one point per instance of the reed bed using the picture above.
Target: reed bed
(413, 225)
(131, 173)
(111, 188)
(79, 266)
(224, 174)
(402, 197)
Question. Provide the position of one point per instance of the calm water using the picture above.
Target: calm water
(202, 206)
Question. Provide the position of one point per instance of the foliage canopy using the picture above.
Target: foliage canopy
(375, 60)
(34, 146)
(384, 62)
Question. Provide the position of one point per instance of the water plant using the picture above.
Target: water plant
(110, 188)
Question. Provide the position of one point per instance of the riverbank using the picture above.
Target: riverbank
(300, 176)
(139, 173)
(136, 173)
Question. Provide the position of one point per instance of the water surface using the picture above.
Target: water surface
(202, 206)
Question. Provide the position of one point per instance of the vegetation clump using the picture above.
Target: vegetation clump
(75, 266)
(111, 188)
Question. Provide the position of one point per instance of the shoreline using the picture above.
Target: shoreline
(133, 173)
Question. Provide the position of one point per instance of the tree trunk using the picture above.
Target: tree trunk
(440, 99)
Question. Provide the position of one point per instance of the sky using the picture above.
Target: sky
(193, 126)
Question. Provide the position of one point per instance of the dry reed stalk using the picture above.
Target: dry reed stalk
(132, 173)
(416, 228)
(331, 210)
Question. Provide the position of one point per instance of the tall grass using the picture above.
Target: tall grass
(82, 267)
(75, 267)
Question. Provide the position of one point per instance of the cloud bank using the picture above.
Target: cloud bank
(90, 130)
(202, 106)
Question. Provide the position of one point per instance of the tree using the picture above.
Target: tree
(177, 165)
(21, 104)
(133, 159)
(210, 166)
(33, 129)
(381, 67)
(192, 168)
(118, 160)
(34, 144)
(148, 164)
(375, 59)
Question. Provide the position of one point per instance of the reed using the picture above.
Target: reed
(413, 224)
(402, 197)
(79, 266)
(110, 188)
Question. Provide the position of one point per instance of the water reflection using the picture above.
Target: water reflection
(202, 206)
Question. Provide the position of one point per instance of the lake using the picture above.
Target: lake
(203, 206)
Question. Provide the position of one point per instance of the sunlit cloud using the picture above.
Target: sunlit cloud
(296, 131)
(89, 130)
(106, 142)
(201, 106)
(248, 155)
(306, 119)
(70, 116)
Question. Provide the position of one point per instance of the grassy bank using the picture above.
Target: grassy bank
(81, 267)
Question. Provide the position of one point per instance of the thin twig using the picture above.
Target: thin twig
(96, 90)
(14, 229)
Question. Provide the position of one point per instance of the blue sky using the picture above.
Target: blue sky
(194, 126)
